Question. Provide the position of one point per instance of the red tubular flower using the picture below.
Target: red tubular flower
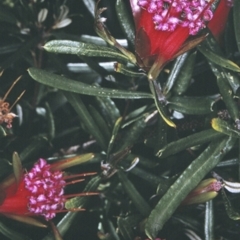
(218, 22)
(40, 192)
(164, 26)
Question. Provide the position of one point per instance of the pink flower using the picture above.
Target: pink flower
(40, 192)
(163, 28)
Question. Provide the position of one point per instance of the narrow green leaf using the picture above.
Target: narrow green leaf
(98, 119)
(224, 127)
(83, 49)
(183, 78)
(176, 69)
(230, 76)
(192, 105)
(209, 221)
(132, 192)
(187, 142)
(120, 68)
(69, 85)
(50, 122)
(231, 212)
(108, 109)
(114, 135)
(160, 101)
(125, 20)
(226, 91)
(189, 179)
(86, 118)
(126, 227)
(236, 20)
(133, 134)
(17, 167)
(214, 58)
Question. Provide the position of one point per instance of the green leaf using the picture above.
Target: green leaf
(226, 91)
(176, 69)
(83, 49)
(108, 109)
(183, 78)
(114, 135)
(126, 226)
(221, 61)
(17, 167)
(160, 102)
(192, 105)
(224, 127)
(134, 195)
(50, 122)
(231, 212)
(187, 142)
(98, 119)
(189, 179)
(120, 68)
(69, 85)
(236, 20)
(86, 118)
(209, 221)
(230, 76)
(125, 20)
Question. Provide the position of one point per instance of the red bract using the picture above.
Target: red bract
(40, 192)
(164, 26)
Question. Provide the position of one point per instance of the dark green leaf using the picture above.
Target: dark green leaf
(83, 49)
(236, 18)
(114, 135)
(98, 119)
(226, 91)
(120, 68)
(108, 109)
(214, 58)
(185, 75)
(134, 195)
(192, 105)
(67, 84)
(231, 212)
(209, 221)
(189, 179)
(224, 127)
(187, 142)
(178, 64)
(86, 118)
(125, 20)
(50, 121)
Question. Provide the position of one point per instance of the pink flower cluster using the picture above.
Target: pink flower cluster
(168, 14)
(46, 189)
